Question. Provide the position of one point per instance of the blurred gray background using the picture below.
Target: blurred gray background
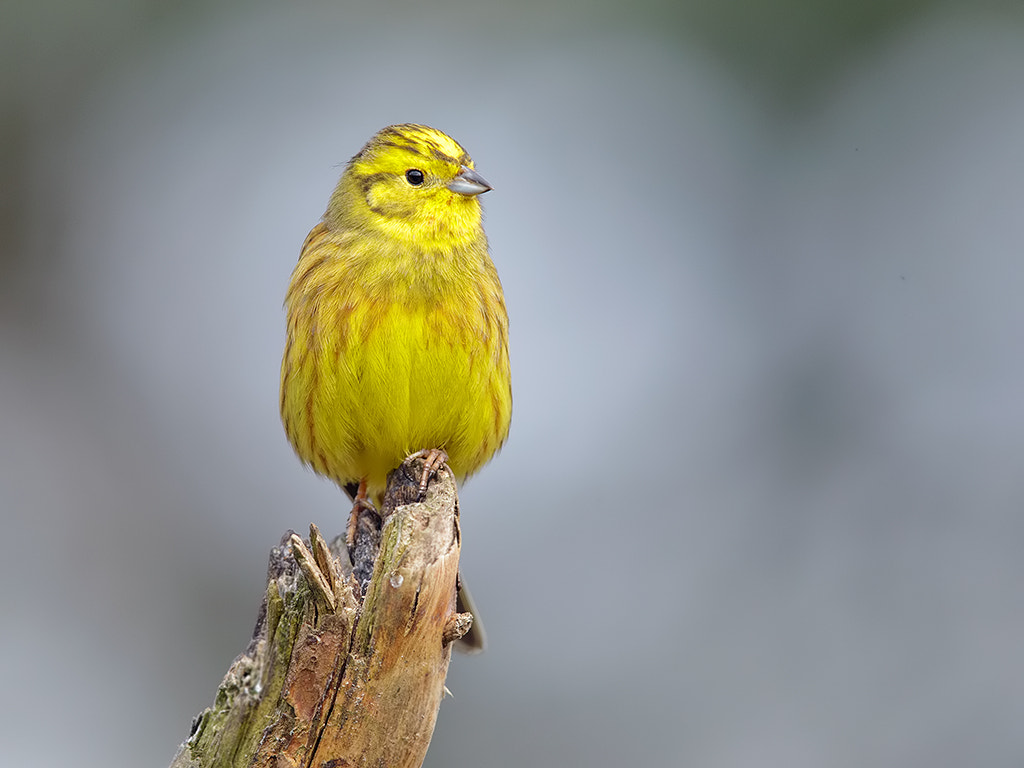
(761, 503)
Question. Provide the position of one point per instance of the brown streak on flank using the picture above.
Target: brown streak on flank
(501, 342)
(372, 317)
(310, 420)
(493, 311)
(342, 320)
(285, 378)
(286, 375)
(304, 350)
(496, 405)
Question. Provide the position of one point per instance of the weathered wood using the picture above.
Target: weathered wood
(333, 678)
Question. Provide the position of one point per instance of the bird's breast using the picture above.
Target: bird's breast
(396, 370)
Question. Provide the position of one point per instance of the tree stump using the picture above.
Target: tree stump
(341, 673)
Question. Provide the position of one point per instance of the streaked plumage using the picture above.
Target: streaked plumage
(397, 330)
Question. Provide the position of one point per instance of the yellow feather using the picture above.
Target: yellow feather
(397, 329)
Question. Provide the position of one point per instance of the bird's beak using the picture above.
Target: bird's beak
(469, 183)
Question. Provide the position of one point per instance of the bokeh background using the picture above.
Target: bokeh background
(762, 501)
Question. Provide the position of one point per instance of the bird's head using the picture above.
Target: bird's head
(410, 182)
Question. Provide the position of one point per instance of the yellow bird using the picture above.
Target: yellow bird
(397, 329)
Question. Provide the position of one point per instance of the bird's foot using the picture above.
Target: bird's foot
(361, 508)
(433, 460)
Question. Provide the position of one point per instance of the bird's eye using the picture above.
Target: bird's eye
(414, 176)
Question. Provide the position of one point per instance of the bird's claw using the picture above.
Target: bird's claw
(433, 460)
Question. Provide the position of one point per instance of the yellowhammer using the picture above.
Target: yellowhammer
(397, 329)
